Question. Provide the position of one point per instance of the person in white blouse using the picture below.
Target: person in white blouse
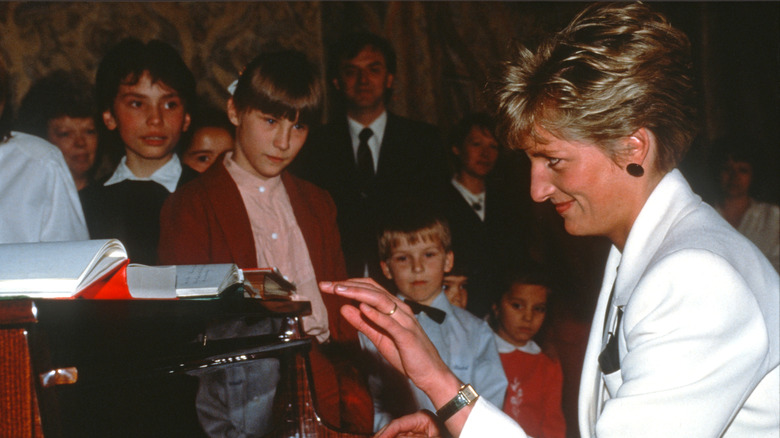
(685, 339)
(757, 220)
(39, 202)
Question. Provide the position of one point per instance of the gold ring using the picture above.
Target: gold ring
(392, 311)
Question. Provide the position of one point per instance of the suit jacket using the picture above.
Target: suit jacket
(206, 222)
(411, 164)
(698, 343)
(129, 211)
(486, 250)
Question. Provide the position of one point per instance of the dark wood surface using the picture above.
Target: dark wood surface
(132, 358)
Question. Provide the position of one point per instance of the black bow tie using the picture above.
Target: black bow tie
(432, 312)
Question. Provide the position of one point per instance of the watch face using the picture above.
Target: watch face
(465, 396)
(469, 394)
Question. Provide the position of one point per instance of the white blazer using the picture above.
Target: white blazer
(698, 341)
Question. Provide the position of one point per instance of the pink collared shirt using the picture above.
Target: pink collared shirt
(279, 241)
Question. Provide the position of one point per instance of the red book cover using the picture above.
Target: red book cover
(112, 286)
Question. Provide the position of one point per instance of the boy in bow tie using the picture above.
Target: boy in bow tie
(415, 253)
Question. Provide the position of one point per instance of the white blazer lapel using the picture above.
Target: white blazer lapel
(661, 210)
(591, 383)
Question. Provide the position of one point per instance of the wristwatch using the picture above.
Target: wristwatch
(465, 396)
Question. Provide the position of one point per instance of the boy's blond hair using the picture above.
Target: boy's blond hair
(413, 222)
(439, 231)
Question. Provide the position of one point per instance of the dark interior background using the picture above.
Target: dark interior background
(446, 50)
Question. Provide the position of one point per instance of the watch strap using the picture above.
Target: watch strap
(465, 396)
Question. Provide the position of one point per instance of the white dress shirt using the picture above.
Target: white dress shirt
(38, 198)
(761, 224)
(374, 142)
(472, 199)
(167, 176)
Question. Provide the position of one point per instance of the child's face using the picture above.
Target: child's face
(479, 153)
(207, 144)
(265, 145)
(455, 289)
(521, 313)
(418, 269)
(150, 118)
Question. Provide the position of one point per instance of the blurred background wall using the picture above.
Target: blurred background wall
(446, 50)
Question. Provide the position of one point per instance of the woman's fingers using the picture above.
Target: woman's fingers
(378, 328)
(392, 327)
(420, 424)
(363, 290)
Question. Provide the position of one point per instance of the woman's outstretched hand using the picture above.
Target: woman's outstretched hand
(391, 325)
(393, 328)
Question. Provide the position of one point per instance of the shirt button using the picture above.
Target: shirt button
(262, 189)
(274, 236)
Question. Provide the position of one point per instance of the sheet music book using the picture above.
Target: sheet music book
(193, 281)
(100, 269)
(57, 269)
(182, 281)
(267, 283)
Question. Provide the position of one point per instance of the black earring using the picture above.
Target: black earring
(636, 170)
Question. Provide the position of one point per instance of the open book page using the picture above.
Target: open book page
(160, 282)
(205, 280)
(151, 281)
(57, 269)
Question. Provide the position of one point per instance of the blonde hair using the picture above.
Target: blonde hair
(437, 231)
(615, 69)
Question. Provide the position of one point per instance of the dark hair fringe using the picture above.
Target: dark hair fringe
(126, 62)
(283, 84)
(58, 94)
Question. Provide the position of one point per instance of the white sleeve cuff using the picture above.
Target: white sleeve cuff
(487, 420)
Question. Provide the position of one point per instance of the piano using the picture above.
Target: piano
(80, 367)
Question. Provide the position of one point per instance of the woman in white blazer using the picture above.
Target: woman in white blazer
(685, 338)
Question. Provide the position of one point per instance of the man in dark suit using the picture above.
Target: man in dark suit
(369, 159)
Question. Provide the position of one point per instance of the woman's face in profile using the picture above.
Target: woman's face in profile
(735, 178)
(586, 187)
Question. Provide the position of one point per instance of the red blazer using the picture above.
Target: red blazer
(205, 221)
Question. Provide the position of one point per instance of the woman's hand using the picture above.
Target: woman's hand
(391, 325)
(418, 425)
(393, 328)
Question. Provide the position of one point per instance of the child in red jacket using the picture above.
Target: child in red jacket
(533, 397)
(248, 210)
